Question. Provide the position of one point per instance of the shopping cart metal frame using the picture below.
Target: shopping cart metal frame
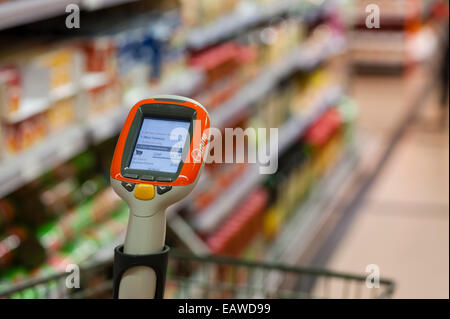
(198, 284)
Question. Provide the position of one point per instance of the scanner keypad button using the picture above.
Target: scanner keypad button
(128, 186)
(144, 192)
(131, 175)
(162, 189)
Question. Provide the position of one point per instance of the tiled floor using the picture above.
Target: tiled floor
(403, 225)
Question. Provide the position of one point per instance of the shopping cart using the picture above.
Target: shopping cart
(192, 276)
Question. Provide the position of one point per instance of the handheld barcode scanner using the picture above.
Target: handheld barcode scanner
(157, 162)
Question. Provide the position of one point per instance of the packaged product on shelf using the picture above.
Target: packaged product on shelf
(126, 44)
(302, 165)
(100, 56)
(274, 110)
(238, 236)
(108, 230)
(23, 135)
(169, 35)
(53, 235)
(42, 74)
(311, 88)
(233, 236)
(88, 243)
(149, 49)
(220, 177)
(221, 65)
(61, 114)
(10, 89)
(323, 140)
(60, 197)
(58, 191)
(104, 98)
(66, 194)
(348, 111)
(280, 38)
(200, 12)
(61, 63)
(287, 187)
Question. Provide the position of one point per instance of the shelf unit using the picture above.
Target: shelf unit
(208, 219)
(309, 216)
(241, 18)
(101, 128)
(98, 129)
(27, 166)
(293, 129)
(213, 214)
(15, 13)
(58, 148)
(33, 106)
(19, 12)
(300, 58)
(61, 146)
(296, 235)
(101, 4)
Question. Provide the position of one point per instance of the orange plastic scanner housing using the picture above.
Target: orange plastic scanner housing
(192, 161)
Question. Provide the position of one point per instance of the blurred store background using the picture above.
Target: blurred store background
(363, 134)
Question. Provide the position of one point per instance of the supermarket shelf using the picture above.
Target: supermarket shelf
(292, 130)
(28, 108)
(309, 217)
(296, 126)
(19, 12)
(25, 167)
(300, 58)
(14, 13)
(242, 18)
(101, 4)
(58, 149)
(102, 127)
(63, 92)
(256, 89)
(296, 235)
(94, 80)
(32, 106)
(208, 219)
(183, 83)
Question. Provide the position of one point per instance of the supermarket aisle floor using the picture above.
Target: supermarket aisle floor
(403, 225)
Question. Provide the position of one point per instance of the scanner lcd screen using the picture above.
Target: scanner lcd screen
(159, 145)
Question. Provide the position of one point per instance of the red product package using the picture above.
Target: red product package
(320, 132)
(10, 89)
(238, 231)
